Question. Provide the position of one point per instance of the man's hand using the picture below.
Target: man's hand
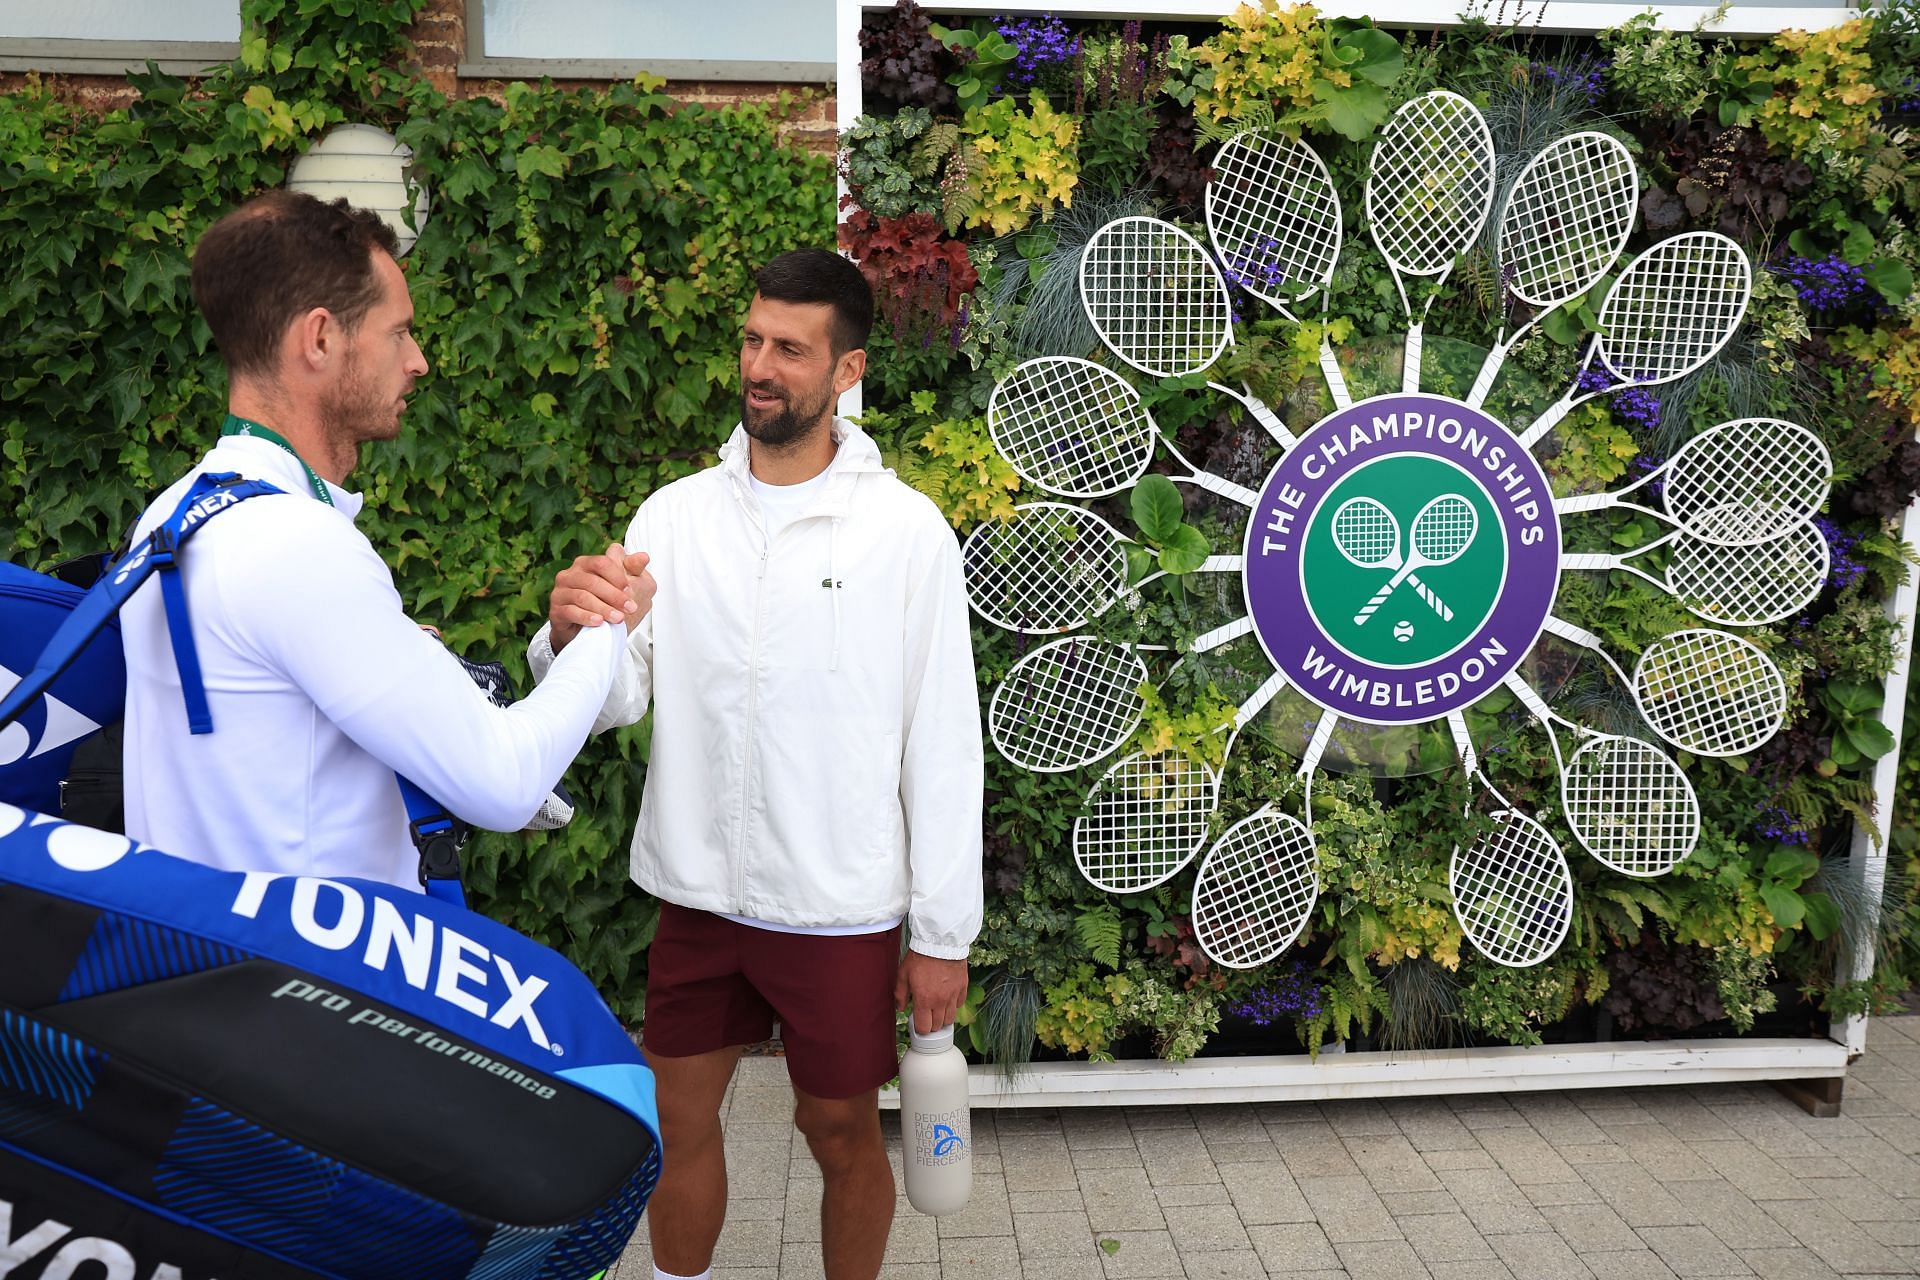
(936, 989)
(612, 587)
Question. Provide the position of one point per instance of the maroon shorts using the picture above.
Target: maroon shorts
(712, 983)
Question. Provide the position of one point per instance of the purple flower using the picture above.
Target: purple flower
(1293, 996)
(1843, 570)
(1775, 823)
(1823, 283)
(1042, 42)
(1590, 81)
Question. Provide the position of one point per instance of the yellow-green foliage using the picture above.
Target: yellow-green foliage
(1198, 733)
(1894, 357)
(1028, 162)
(1264, 56)
(1821, 79)
(1387, 900)
(1087, 1011)
(1594, 451)
(951, 460)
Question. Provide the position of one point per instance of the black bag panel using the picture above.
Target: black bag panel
(62, 1223)
(264, 1039)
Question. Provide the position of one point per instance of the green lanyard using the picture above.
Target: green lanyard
(248, 427)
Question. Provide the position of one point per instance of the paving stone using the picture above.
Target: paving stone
(1801, 1168)
(1182, 1195)
(1349, 1209)
(1229, 1122)
(1636, 1196)
(1230, 1264)
(1555, 1117)
(1294, 1246)
(1092, 1128)
(1308, 1275)
(1751, 1170)
(1668, 1158)
(1825, 1230)
(1127, 1157)
(748, 1243)
(1431, 1125)
(1390, 1163)
(1016, 1120)
(1382, 1260)
(1177, 1156)
(1858, 1199)
(1539, 1255)
(1487, 1269)
(1313, 1150)
(1693, 1252)
(988, 1213)
(915, 1238)
(1787, 1264)
(1052, 1235)
(1494, 1203)
(1265, 1193)
(1142, 1118)
(1526, 1156)
(1047, 1201)
(1146, 1254)
(1732, 1215)
(1202, 1227)
(1413, 1204)
(1359, 1118)
(1542, 1194)
(719, 1273)
(991, 1258)
(801, 1221)
(1259, 1152)
(1445, 1237)
(1445, 1161)
(1635, 1264)
(1592, 1228)
(1879, 1161)
(1895, 1235)
(1684, 1116)
(1032, 1162)
(891, 1271)
(1120, 1200)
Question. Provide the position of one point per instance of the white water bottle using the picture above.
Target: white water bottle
(935, 1131)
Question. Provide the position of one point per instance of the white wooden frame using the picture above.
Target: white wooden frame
(1495, 1069)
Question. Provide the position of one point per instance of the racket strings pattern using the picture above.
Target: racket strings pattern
(1566, 219)
(1274, 216)
(1428, 183)
(1630, 806)
(1049, 569)
(1071, 427)
(1710, 693)
(1067, 704)
(1144, 821)
(1752, 584)
(1512, 892)
(1674, 307)
(1366, 532)
(1746, 480)
(1256, 890)
(1445, 528)
(1154, 297)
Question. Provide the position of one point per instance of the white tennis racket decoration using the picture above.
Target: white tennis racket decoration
(1626, 801)
(1667, 314)
(1739, 586)
(1160, 304)
(1273, 215)
(1512, 890)
(1429, 188)
(1563, 223)
(1441, 534)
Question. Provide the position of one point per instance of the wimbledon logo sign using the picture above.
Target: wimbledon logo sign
(1403, 558)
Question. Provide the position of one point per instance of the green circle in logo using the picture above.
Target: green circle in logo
(1403, 560)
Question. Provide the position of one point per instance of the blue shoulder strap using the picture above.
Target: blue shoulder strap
(433, 829)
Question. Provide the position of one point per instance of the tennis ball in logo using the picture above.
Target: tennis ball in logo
(1403, 631)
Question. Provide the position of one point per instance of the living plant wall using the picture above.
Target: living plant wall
(578, 288)
(991, 151)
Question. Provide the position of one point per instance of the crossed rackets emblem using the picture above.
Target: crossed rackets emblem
(1368, 535)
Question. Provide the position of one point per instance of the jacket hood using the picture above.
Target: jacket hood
(855, 453)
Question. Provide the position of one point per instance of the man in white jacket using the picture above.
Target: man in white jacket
(815, 773)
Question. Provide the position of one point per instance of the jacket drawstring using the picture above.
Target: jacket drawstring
(833, 589)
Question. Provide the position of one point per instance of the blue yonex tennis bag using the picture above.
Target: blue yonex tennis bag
(36, 751)
(222, 1076)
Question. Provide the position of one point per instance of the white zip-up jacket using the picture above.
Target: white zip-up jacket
(816, 753)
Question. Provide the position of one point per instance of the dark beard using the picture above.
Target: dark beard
(785, 426)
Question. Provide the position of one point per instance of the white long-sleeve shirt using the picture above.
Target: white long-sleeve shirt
(321, 688)
(816, 752)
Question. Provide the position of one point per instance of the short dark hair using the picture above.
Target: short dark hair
(822, 276)
(275, 258)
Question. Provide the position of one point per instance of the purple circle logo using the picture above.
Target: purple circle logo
(1403, 559)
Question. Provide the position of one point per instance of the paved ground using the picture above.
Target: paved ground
(1688, 1181)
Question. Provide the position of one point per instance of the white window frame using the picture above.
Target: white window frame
(479, 65)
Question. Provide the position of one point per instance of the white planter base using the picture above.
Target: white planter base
(1503, 1069)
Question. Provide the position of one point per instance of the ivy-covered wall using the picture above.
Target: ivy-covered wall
(579, 286)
